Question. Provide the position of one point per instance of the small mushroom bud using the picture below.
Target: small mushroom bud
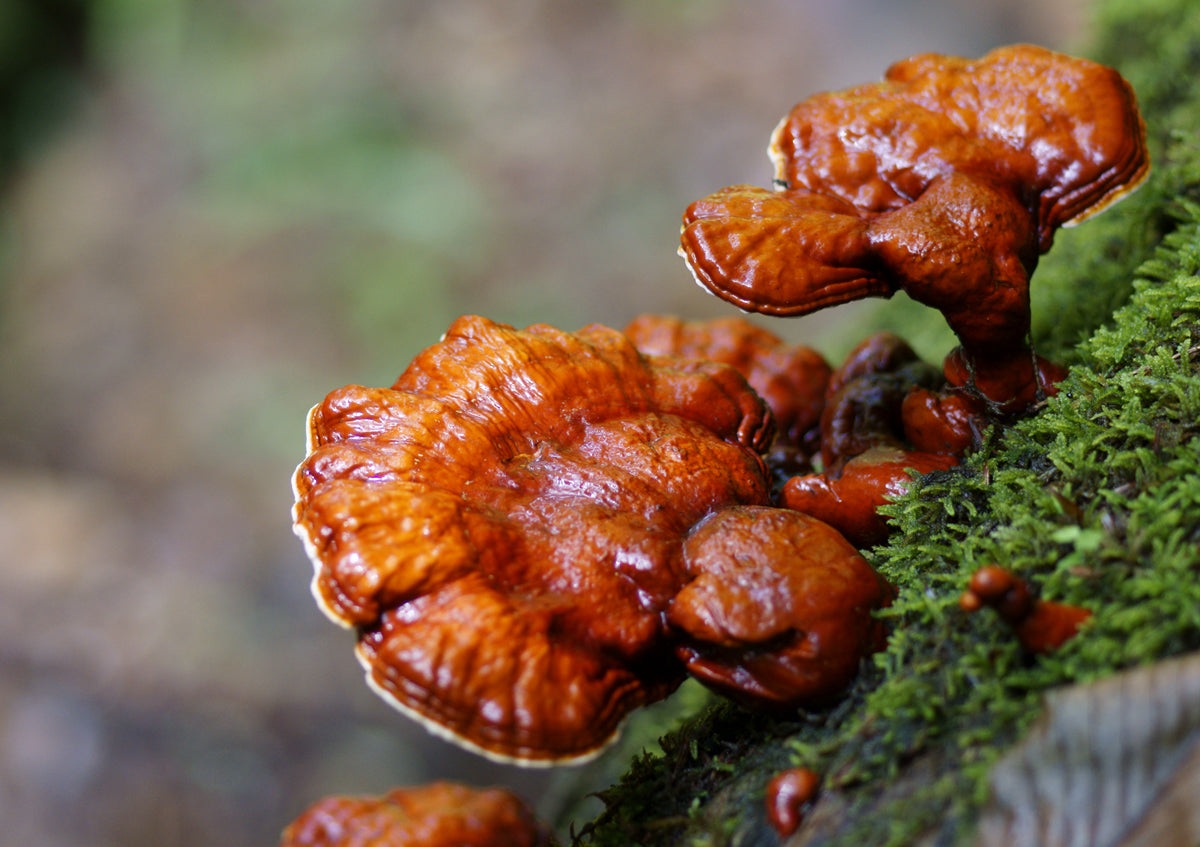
(788, 793)
(1041, 626)
(849, 501)
(941, 423)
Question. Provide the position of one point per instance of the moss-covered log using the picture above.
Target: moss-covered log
(1096, 501)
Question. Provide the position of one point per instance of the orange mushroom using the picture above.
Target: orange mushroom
(442, 814)
(1040, 625)
(865, 398)
(778, 610)
(792, 378)
(505, 529)
(849, 499)
(946, 180)
(788, 793)
(865, 450)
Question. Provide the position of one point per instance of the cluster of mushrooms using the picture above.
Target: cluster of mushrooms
(534, 532)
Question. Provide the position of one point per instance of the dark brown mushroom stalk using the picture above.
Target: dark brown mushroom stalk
(534, 532)
(946, 180)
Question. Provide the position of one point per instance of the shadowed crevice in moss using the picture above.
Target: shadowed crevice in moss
(1096, 501)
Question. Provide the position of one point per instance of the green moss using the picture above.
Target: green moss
(1096, 500)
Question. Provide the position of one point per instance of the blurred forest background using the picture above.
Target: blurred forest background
(213, 213)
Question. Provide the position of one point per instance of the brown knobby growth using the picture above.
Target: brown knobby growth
(856, 421)
(787, 794)
(864, 401)
(946, 180)
(849, 500)
(441, 814)
(866, 451)
(1040, 625)
(776, 613)
(519, 531)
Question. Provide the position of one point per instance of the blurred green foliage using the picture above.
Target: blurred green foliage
(42, 54)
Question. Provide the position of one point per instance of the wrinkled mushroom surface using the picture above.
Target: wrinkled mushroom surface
(442, 814)
(502, 526)
(1065, 130)
(945, 180)
(777, 612)
(534, 532)
(792, 378)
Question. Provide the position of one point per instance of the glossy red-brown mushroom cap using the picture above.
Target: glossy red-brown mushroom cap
(780, 252)
(1060, 137)
(1063, 132)
(946, 180)
(778, 612)
(850, 501)
(792, 378)
(442, 814)
(502, 527)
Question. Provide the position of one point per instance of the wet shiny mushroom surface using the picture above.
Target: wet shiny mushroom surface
(440, 814)
(946, 180)
(507, 527)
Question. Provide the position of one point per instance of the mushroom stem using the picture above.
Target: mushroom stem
(1009, 384)
(967, 247)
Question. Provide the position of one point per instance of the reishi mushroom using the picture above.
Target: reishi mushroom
(864, 400)
(866, 453)
(1040, 625)
(520, 532)
(787, 794)
(533, 533)
(792, 378)
(441, 814)
(946, 180)
(777, 613)
(849, 500)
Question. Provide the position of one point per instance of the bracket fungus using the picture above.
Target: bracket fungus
(519, 533)
(946, 180)
(776, 613)
(792, 378)
(441, 814)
